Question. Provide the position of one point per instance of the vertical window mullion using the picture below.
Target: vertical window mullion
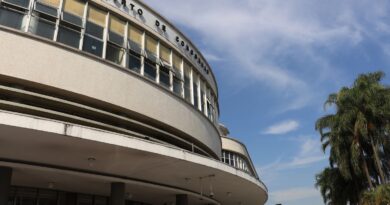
(58, 20)
(171, 73)
(158, 64)
(105, 35)
(142, 56)
(84, 23)
(191, 86)
(29, 15)
(126, 35)
(182, 77)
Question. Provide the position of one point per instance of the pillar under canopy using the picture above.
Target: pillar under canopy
(5, 184)
(117, 194)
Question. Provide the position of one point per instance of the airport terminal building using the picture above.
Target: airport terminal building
(105, 102)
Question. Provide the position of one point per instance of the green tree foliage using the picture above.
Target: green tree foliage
(378, 196)
(357, 137)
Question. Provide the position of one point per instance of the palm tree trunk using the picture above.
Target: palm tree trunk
(366, 172)
(377, 161)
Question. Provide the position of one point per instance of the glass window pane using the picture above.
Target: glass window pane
(151, 45)
(100, 200)
(202, 97)
(94, 30)
(114, 53)
(165, 54)
(134, 62)
(135, 36)
(117, 25)
(68, 36)
(176, 63)
(97, 16)
(196, 96)
(11, 18)
(47, 197)
(21, 3)
(93, 46)
(84, 199)
(187, 82)
(53, 3)
(116, 30)
(42, 27)
(164, 77)
(177, 86)
(150, 70)
(74, 7)
(46, 9)
(27, 196)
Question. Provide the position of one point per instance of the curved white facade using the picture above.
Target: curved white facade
(111, 104)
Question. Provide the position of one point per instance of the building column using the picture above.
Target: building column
(5, 184)
(182, 199)
(117, 194)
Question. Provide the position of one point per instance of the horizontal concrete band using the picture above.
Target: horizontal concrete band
(86, 76)
(120, 155)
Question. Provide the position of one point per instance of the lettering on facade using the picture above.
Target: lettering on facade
(191, 51)
(162, 27)
(132, 7)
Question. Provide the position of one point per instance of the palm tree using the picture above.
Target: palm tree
(379, 196)
(336, 190)
(357, 135)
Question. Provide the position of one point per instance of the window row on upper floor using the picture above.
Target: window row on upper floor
(86, 27)
(235, 160)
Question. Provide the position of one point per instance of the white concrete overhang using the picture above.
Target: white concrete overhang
(41, 150)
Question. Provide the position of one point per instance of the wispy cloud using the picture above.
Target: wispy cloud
(293, 194)
(282, 127)
(309, 153)
(282, 45)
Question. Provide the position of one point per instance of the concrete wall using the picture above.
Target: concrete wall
(48, 64)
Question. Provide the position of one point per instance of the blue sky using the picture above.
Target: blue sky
(275, 62)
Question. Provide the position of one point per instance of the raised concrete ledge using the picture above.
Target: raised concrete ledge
(26, 63)
(87, 133)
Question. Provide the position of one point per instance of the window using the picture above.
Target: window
(187, 83)
(165, 54)
(27, 196)
(47, 197)
(202, 88)
(19, 3)
(73, 12)
(115, 51)
(48, 7)
(69, 32)
(93, 45)
(134, 61)
(84, 199)
(42, 25)
(164, 77)
(93, 38)
(69, 36)
(177, 75)
(150, 70)
(151, 48)
(12, 18)
(195, 87)
(100, 200)
(135, 39)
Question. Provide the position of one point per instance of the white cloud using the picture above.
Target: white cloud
(282, 128)
(293, 194)
(276, 43)
(309, 153)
